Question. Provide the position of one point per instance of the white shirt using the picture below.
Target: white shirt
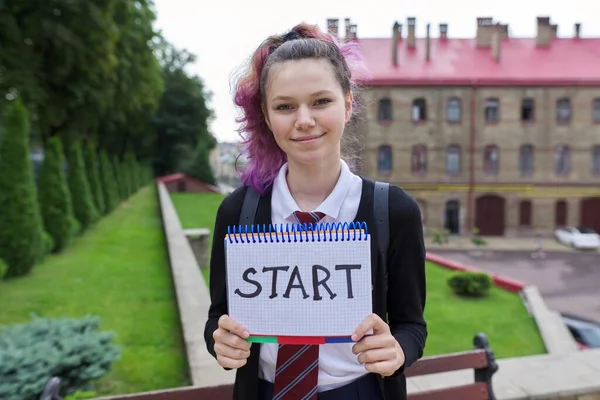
(338, 366)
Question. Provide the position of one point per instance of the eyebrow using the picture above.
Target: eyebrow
(315, 94)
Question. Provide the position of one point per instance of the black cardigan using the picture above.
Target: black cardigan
(404, 303)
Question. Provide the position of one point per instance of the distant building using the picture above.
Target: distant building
(493, 132)
(223, 161)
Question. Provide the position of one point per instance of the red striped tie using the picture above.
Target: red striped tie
(297, 371)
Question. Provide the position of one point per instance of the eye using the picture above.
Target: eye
(321, 102)
(283, 107)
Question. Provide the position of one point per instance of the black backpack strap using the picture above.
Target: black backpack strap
(249, 207)
(381, 213)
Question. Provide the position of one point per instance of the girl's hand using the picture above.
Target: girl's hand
(230, 345)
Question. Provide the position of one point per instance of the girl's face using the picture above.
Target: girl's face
(307, 110)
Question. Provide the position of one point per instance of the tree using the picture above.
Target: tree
(55, 199)
(183, 117)
(93, 176)
(81, 195)
(21, 233)
(199, 167)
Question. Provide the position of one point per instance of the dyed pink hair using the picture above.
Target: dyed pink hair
(263, 156)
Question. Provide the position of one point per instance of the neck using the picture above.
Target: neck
(311, 184)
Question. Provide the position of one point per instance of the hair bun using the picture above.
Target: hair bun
(291, 35)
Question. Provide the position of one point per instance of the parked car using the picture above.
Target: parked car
(578, 237)
(586, 333)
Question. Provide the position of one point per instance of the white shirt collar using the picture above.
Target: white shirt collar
(285, 205)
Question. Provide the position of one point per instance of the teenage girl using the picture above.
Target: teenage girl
(297, 98)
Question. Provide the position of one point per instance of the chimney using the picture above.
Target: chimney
(443, 31)
(577, 30)
(497, 42)
(396, 35)
(332, 26)
(412, 21)
(428, 45)
(554, 30)
(503, 31)
(544, 31)
(485, 29)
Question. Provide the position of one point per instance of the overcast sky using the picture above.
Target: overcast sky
(223, 33)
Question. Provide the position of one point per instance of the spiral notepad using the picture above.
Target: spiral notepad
(299, 283)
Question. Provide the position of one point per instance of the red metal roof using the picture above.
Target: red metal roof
(567, 61)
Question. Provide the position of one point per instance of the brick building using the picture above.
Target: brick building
(493, 132)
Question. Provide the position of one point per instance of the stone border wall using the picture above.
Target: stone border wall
(193, 298)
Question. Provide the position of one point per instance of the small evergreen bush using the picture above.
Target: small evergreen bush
(470, 283)
(84, 208)
(21, 244)
(3, 269)
(55, 199)
(93, 174)
(48, 243)
(108, 183)
(70, 349)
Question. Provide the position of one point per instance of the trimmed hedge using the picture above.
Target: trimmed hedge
(21, 245)
(470, 284)
(55, 199)
(84, 209)
(70, 349)
(93, 175)
(109, 186)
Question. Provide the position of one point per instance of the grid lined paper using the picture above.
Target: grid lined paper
(297, 316)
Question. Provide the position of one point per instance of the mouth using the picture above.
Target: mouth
(305, 139)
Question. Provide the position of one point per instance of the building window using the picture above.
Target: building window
(596, 160)
(453, 159)
(563, 110)
(419, 159)
(491, 156)
(492, 110)
(384, 113)
(453, 110)
(419, 110)
(384, 160)
(525, 213)
(526, 159)
(527, 110)
(562, 160)
(596, 110)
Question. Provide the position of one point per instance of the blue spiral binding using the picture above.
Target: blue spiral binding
(298, 232)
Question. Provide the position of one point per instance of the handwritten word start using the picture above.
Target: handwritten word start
(295, 281)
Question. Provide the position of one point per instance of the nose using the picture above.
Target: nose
(305, 119)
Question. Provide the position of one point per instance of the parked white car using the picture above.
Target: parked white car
(578, 238)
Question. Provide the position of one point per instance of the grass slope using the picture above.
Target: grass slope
(453, 321)
(118, 270)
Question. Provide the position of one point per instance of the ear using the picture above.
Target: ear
(348, 103)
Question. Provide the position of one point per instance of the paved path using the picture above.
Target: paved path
(568, 281)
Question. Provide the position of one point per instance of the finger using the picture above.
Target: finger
(230, 352)
(373, 342)
(377, 356)
(233, 340)
(232, 326)
(227, 362)
(385, 368)
(371, 322)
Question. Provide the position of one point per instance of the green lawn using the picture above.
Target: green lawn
(119, 270)
(453, 321)
(198, 210)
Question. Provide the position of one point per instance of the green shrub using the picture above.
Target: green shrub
(55, 199)
(469, 283)
(48, 242)
(93, 175)
(3, 269)
(84, 209)
(109, 186)
(21, 244)
(70, 349)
